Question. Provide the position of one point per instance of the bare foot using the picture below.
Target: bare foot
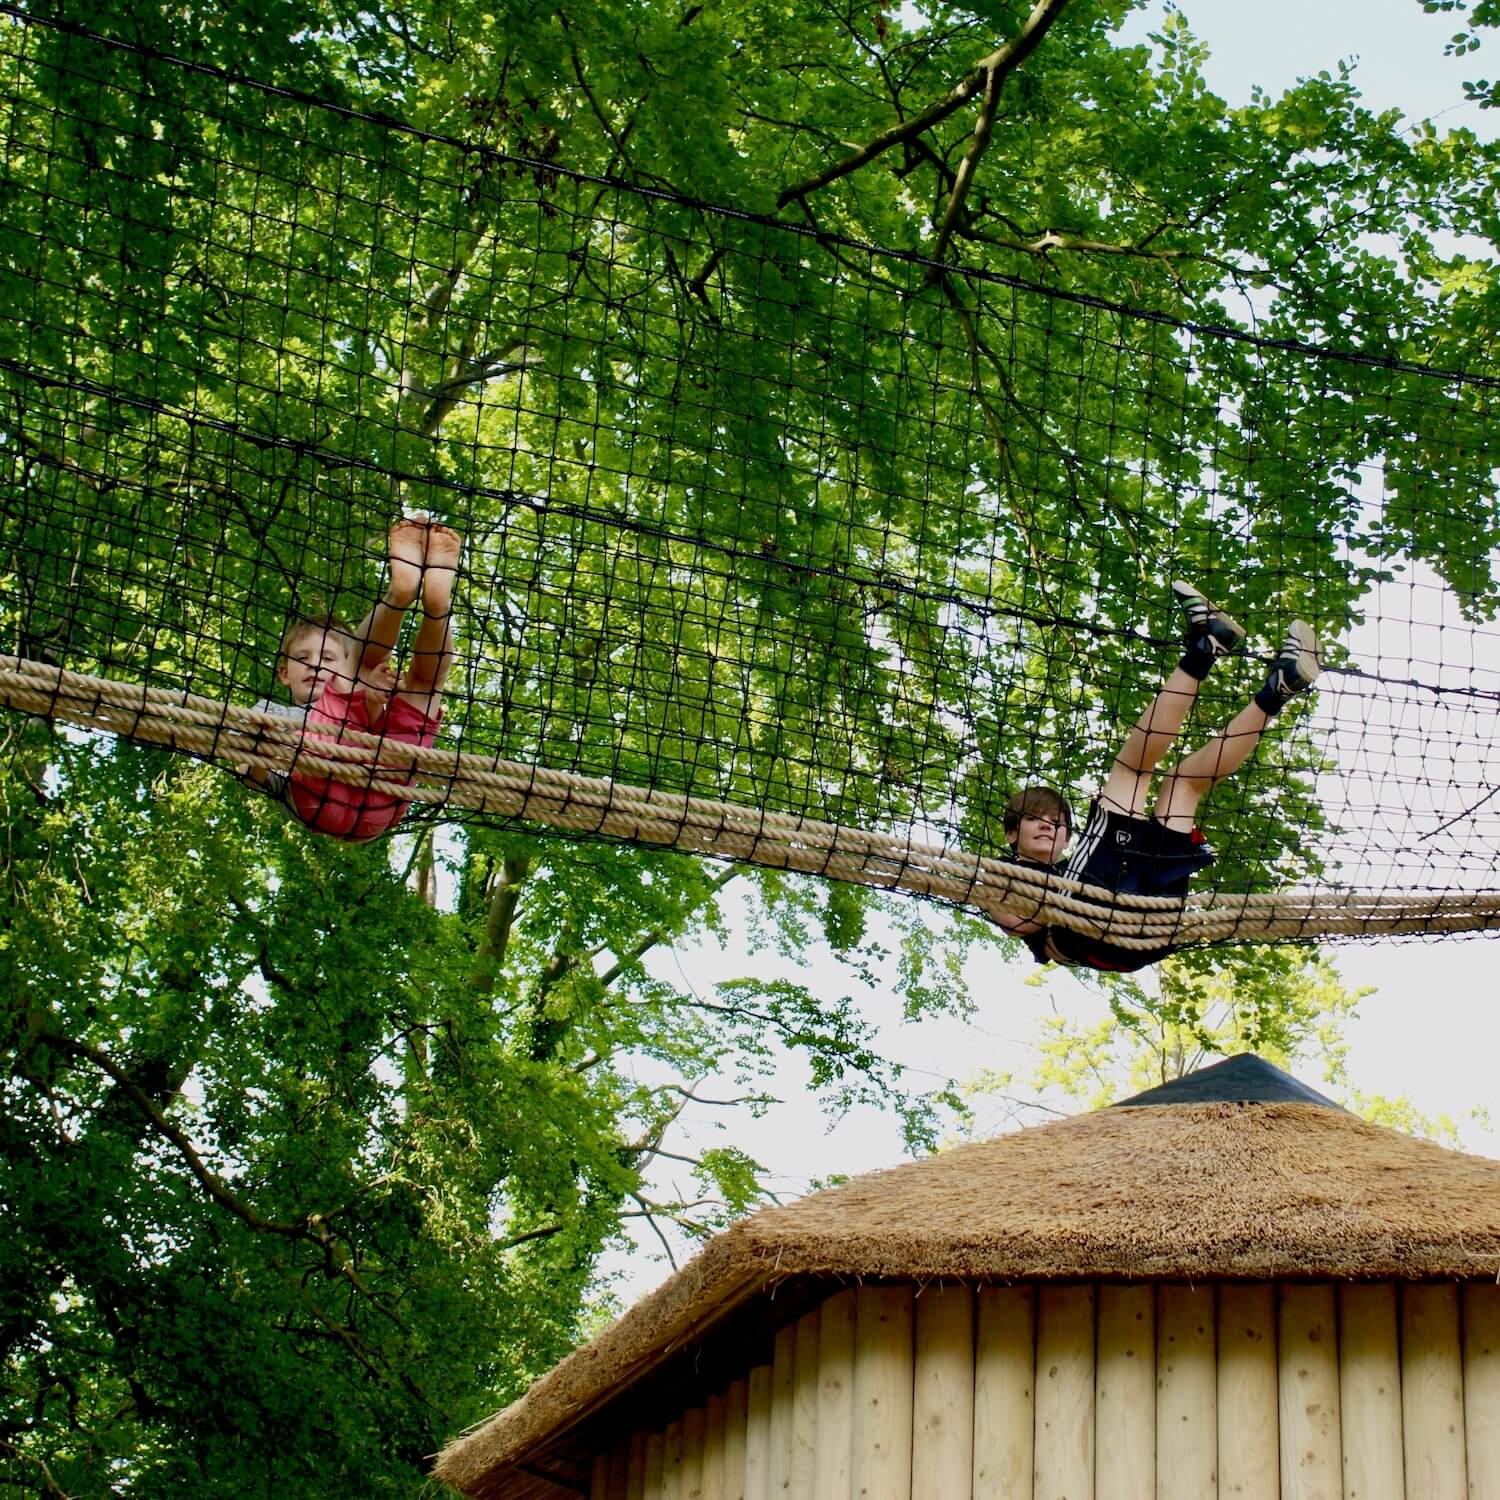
(444, 548)
(408, 544)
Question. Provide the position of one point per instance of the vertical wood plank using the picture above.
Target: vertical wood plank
(736, 1418)
(693, 1423)
(783, 1395)
(1370, 1393)
(1432, 1393)
(882, 1393)
(1125, 1394)
(758, 1435)
(832, 1471)
(1187, 1395)
(1481, 1312)
(1308, 1393)
(656, 1462)
(671, 1462)
(1004, 1405)
(804, 1409)
(942, 1460)
(635, 1472)
(1064, 1460)
(1249, 1430)
(599, 1479)
(713, 1449)
(619, 1472)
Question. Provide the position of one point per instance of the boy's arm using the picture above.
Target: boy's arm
(1017, 926)
(258, 775)
(375, 635)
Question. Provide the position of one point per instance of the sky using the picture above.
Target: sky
(1415, 1035)
(1396, 47)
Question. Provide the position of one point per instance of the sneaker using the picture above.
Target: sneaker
(1296, 667)
(1209, 629)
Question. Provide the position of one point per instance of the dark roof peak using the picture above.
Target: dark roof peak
(1244, 1079)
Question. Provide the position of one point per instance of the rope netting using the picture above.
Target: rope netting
(766, 529)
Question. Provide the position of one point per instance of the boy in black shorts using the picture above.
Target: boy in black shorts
(1121, 848)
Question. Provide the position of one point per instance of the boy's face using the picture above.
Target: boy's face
(1040, 838)
(313, 660)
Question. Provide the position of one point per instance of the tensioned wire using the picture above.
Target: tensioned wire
(648, 193)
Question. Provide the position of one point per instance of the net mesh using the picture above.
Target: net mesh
(753, 512)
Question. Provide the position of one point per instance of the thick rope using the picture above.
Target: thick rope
(252, 738)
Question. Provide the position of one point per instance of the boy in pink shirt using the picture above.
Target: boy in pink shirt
(339, 679)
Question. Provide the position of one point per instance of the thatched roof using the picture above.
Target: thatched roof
(1256, 1178)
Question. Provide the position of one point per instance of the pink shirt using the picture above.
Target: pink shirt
(346, 810)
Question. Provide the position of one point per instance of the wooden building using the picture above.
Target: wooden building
(1227, 1286)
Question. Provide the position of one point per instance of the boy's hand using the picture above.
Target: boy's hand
(379, 678)
(379, 684)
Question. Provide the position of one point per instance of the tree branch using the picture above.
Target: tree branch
(696, 1098)
(658, 1153)
(505, 897)
(264, 966)
(997, 433)
(652, 939)
(643, 1151)
(211, 1183)
(355, 1345)
(47, 1477)
(421, 870)
(649, 1216)
(1068, 460)
(988, 75)
(983, 127)
(617, 141)
(468, 371)
(544, 1233)
(1055, 239)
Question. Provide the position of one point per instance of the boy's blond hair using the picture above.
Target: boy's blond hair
(320, 624)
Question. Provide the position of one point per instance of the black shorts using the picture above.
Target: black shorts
(1136, 856)
(1131, 856)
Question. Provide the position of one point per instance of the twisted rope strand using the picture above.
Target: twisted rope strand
(569, 801)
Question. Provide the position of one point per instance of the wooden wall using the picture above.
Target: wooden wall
(1108, 1392)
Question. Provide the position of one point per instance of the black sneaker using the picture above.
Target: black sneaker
(1296, 667)
(1209, 629)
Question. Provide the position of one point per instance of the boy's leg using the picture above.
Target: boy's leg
(1210, 634)
(1129, 780)
(376, 635)
(1295, 670)
(1186, 784)
(433, 650)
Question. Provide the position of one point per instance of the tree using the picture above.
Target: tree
(686, 439)
(301, 1173)
(309, 1156)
